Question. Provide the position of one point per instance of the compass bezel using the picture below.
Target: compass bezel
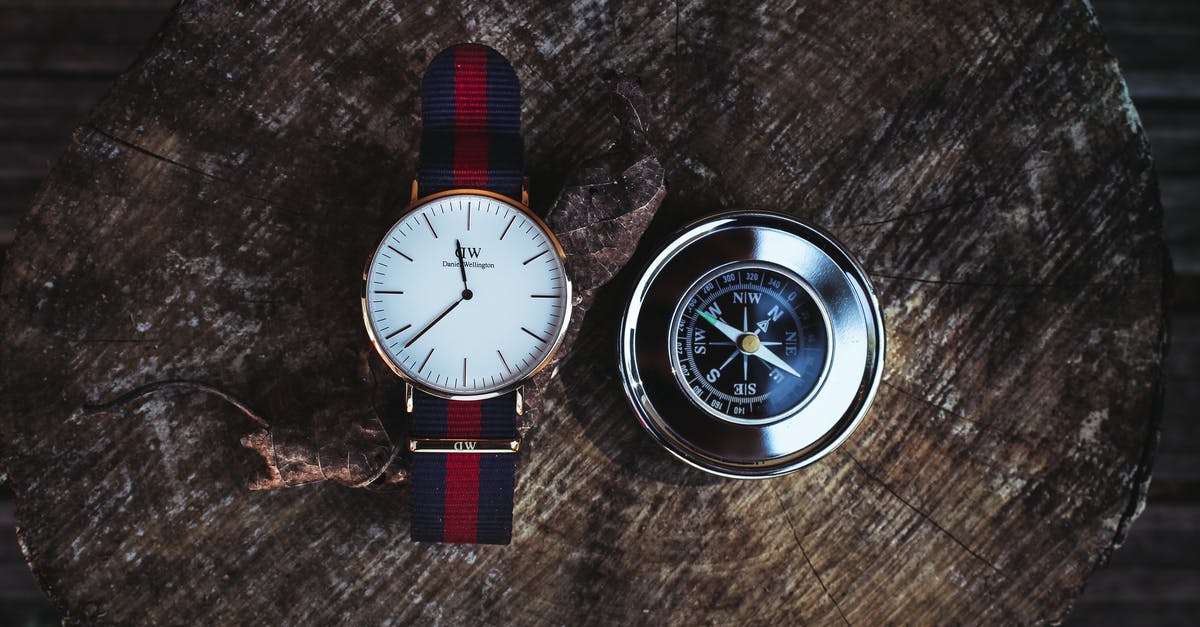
(821, 422)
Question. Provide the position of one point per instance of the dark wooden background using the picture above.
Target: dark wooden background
(58, 58)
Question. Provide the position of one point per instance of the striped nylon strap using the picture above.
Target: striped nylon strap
(463, 497)
(471, 139)
(471, 123)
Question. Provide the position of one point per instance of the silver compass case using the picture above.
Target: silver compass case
(685, 414)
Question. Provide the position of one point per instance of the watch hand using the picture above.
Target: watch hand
(766, 355)
(462, 269)
(430, 325)
(745, 320)
(725, 329)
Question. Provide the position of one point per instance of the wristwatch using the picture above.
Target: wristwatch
(466, 298)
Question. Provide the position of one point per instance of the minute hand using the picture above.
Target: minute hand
(430, 325)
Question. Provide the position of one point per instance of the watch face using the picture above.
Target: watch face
(466, 295)
(750, 343)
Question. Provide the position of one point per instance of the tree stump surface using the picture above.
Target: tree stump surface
(211, 219)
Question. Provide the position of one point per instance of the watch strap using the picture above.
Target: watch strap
(470, 139)
(463, 497)
(471, 123)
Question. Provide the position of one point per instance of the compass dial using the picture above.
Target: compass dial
(751, 343)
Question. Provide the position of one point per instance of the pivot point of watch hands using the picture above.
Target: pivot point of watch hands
(468, 294)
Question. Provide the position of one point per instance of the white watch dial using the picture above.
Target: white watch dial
(466, 295)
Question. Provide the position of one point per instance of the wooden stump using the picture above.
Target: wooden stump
(211, 220)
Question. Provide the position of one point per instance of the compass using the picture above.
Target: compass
(752, 345)
(751, 342)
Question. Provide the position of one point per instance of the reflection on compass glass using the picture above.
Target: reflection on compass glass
(751, 344)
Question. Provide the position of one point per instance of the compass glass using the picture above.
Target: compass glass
(751, 343)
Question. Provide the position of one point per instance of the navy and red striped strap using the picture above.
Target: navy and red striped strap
(463, 497)
(470, 139)
(471, 123)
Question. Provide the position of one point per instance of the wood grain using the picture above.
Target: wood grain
(211, 218)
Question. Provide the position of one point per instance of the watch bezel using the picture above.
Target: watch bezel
(568, 299)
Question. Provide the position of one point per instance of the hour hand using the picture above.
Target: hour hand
(462, 270)
(724, 328)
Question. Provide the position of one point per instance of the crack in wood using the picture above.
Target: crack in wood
(179, 164)
(926, 517)
(787, 517)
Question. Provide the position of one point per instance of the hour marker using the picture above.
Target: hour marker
(464, 370)
(536, 336)
(504, 361)
(430, 225)
(508, 227)
(468, 222)
(399, 253)
(535, 257)
(396, 332)
(388, 292)
(543, 295)
(422, 368)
